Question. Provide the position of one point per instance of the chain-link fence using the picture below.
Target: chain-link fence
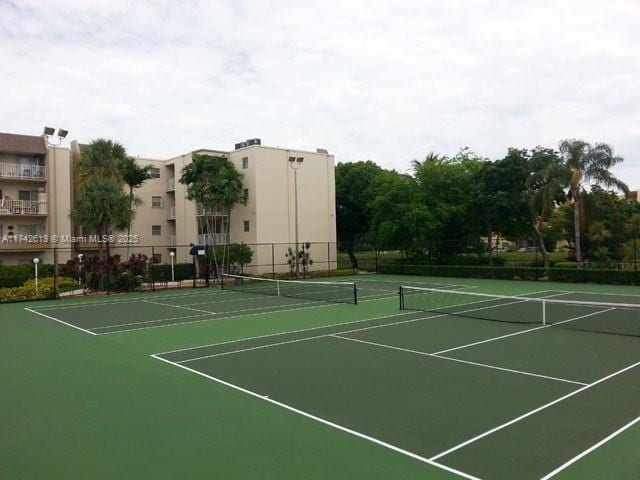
(107, 269)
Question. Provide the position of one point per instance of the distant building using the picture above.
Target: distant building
(36, 196)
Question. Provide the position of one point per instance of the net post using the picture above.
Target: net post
(355, 293)
(401, 294)
(278, 286)
(544, 312)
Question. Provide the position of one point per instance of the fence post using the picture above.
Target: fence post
(194, 274)
(153, 257)
(55, 272)
(329, 257)
(377, 252)
(273, 260)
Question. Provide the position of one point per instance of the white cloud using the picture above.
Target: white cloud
(381, 80)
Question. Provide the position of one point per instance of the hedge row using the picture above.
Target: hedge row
(15, 275)
(182, 271)
(616, 277)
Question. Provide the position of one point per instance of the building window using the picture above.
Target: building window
(154, 172)
(245, 162)
(156, 230)
(156, 202)
(246, 193)
(28, 195)
(157, 258)
(25, 230)
(247, 226)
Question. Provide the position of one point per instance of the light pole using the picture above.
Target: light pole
(36, 261)
(173, 276)
(295, 163)
(62, 133)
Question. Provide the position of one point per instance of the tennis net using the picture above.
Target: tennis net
(338, 292)
(600, 317)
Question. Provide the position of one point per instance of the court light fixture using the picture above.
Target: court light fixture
(49, 131)
(62, 132)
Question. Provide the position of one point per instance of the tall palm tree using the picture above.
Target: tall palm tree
(586, 163)
(134, 177)
(102, 158)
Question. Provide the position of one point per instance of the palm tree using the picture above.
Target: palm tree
(102, 158)
(134, 177)
(587, 164)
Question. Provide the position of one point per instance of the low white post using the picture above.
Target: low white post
(544, 312)
(173, 276)
(36, 261)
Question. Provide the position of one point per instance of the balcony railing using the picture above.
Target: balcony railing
(201, 211)
(212, 239)
(22, 207)
(23, 172)
(171, 214)
(20, 244)
(171, 184)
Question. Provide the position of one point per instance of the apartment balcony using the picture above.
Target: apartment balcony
(23, 207)
(171, 214)
(201, 211)
(17, 171)
(171, 185)
(9, 244)
(212, 239)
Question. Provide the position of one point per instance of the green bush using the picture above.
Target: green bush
(504, 273)
(162, 273)
(458, 260)
(565, 265)
(27, 291)
(16, 275)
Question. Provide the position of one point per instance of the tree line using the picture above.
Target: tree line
(452, 205)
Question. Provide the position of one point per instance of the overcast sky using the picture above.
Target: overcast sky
(387, 81)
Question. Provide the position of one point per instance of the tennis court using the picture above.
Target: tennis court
(473, 384)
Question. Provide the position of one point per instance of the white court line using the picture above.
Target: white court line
(200, 293)
(493, 339)
(60, 321)
(357, 329)
(178, 306)
(323, 304)
(319, 327)
(323, 421)
(590, 449)
(531, 412)
(433, 355)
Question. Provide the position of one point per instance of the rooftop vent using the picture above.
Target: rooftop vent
(254, 141)
(241, 145)
(322, 150)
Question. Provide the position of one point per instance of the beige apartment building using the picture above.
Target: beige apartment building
(37, 195)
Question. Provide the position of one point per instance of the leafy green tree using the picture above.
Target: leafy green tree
(499, 197)
(399, 220)
(445, 187)
(355, 192)
(586, 164)
(545, 190)
(216, 184)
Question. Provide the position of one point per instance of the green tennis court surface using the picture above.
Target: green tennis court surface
(460, 384)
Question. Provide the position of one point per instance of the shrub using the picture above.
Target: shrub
(27, 291)
(162, 273)
(16, 275)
